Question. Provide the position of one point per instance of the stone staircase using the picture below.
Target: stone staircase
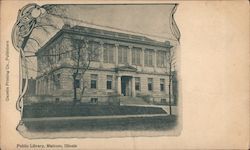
(127, 100)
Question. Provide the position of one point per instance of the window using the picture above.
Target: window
(93, 84)
(150, 84)
(57, 80)
(108, 53)
(161, 56)
(94, 51)
(94, 100)
(77, 83)
(55, 54)
(148, 57)
(162, 84)
(163, 101)
(74, 54)
(123, 55)
(59, 56)
(137, 84)
(136, 56)
(109, 82)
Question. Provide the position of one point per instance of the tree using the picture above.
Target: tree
(170, 68)
(83, 54)
(26, 22)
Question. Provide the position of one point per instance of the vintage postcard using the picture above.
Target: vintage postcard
(76, 74)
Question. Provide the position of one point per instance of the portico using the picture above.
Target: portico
(126, 86)
(126, 81)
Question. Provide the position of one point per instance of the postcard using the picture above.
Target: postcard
(124, 75)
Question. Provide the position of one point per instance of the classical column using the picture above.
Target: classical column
(116, 54)
(37, 87)
(42, 89)
(155, 59)
(48, 86)
(101, 55)
(133, 87)
(130, 54)
(142, 57)
(118, 85)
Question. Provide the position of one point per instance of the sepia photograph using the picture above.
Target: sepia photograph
(97, 68)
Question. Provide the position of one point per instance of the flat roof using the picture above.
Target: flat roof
(106, 34)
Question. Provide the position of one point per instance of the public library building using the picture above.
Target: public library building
(129, 65)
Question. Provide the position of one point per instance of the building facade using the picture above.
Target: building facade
(127, 65)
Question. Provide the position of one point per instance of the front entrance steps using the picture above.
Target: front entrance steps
(128, 100)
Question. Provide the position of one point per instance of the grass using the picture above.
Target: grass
(122, 124)
(67, 110)
(108, 124)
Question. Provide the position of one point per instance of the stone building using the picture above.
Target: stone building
(128, 65)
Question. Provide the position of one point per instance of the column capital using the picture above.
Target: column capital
(130, 46)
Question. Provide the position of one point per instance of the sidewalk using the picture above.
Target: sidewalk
(92, 117)
(164, 107)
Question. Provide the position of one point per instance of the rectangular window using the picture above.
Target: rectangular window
(93, 82)
(74, 54)
(94, 49)
(136, 56)
(123, 55)
(77, 83)
(109, 82)
(56, 53)
(137, 84)
(108, 53)
(59, 56)
(150, 84)
(148, 57)
(94, 100)
(57, 80)
(162, 84)
(161, 56)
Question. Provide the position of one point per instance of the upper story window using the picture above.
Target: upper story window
(136, 56)
(57, 80)
(93, 82)
(137, 84)
(123, 55)
(109, 81)
(148, 57)
(161, 57)
(77, 83)
(162, 84)
(150, 84)
(60, 55)
(94, 50)
(74, 54)
(108, 53)
(56, 53)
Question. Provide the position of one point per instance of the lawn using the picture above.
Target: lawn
(68, 110)
(49, 110)
(122, 124)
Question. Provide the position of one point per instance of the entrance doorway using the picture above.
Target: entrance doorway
(126, 85)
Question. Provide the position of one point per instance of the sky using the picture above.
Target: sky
(148, 19)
